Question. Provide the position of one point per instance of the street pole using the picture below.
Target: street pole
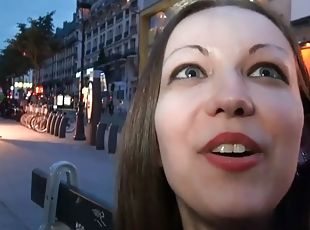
(79, 130)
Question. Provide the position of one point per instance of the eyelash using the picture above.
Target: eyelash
(178, 69)
(269, 65)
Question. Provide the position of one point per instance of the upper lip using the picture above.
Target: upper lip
(231, 138)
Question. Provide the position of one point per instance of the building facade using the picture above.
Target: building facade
(112, 33)
(111, 45)
(58, 72)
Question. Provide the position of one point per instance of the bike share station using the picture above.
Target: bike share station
(103, 136)
(57, 122)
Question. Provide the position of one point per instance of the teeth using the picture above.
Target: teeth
(230, 148)
(239, 148)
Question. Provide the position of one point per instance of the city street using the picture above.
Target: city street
(22, 150)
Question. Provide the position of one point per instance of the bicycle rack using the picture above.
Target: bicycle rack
(57, 123)
(51, 193)
(62, 127)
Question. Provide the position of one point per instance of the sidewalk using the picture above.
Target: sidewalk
(22, 150)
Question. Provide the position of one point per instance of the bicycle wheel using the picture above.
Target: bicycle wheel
(40, 126)
(23, 119)
(34, 121)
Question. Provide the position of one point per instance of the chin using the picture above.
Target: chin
(241, 210)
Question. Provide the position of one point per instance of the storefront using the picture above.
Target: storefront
(152, 21)
(305, 51)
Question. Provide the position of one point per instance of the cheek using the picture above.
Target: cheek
(173, 116)
(281, 116)
(169, 119)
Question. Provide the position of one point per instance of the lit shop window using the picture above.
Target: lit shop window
(156, 25)
(305, 51)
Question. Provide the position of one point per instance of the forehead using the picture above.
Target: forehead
(230, 27)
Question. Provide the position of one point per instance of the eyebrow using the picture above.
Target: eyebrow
(256, 47)
(201, 49)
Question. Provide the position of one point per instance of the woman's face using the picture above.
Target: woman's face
(229, 115)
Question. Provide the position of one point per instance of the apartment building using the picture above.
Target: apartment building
(58, 72)
(112, 31)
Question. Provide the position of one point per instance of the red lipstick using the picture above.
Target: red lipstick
(228, 163)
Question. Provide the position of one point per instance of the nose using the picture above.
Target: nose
(230, 97)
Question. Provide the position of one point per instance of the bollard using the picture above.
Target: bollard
(53, 123)
(57, 123)
(106, 137)
(51, 193)
(111, 138)
(48, 123)
(101, 127)
(62, 127)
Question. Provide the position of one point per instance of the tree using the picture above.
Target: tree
(12, 64)
(102, 59)
(36, 42)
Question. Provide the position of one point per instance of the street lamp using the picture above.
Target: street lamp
(84, 12)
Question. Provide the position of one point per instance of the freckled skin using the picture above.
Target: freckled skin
(187, 116)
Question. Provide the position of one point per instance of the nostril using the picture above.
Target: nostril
(239, 112)
(219, 110)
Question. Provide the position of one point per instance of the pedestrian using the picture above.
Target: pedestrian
(227, 160)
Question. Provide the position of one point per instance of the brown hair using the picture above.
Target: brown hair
(144, 199)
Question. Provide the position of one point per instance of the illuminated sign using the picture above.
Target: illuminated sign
(89, 71)
(60, 100)
(85, 92)
(103, 81)
(39, 89)
(78, 75)
(67, 100)
(22, 85)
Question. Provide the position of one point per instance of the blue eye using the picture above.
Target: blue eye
(268, 70)
(189, 71)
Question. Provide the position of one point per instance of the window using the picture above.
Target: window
(102, 38)
(118, 49)
(88, 45)
(125, 45)
(132, 43)
(110, 34)
(133, 19)
(95, 31)
(102, 27)
(95, 42)
(110, 52)
(119, 29)
(127, 26)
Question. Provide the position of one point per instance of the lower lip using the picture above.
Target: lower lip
(234, 164)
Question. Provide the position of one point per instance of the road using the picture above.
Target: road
(22, 150)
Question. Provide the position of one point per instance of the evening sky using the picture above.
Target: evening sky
(18, 11)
